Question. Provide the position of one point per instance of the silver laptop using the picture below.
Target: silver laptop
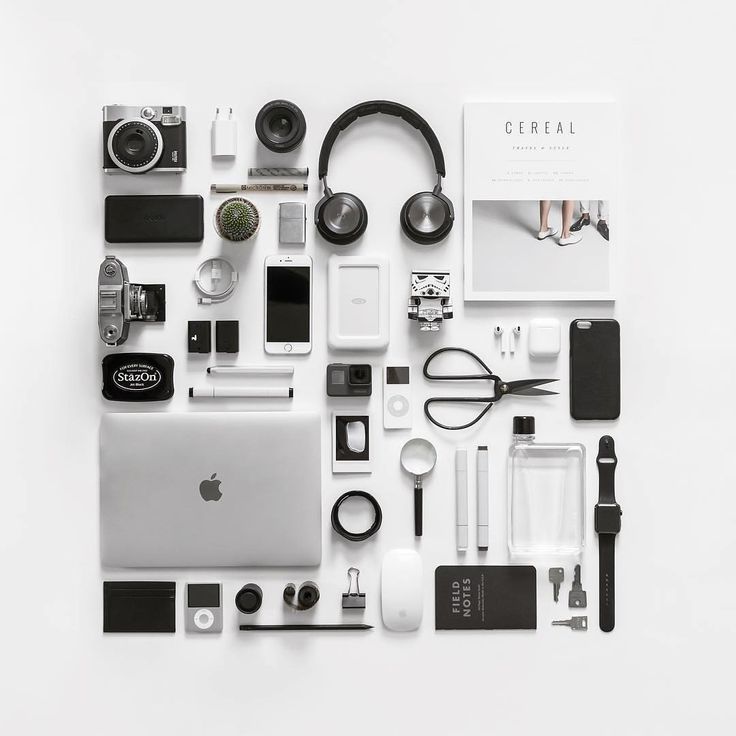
(206, 489)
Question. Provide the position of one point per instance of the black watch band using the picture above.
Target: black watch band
(607, 526)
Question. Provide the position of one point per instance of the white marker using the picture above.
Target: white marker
(240, 392)
(483, 492)
(461, 498)
(253, 370)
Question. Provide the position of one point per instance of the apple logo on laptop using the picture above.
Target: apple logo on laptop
(210, 489)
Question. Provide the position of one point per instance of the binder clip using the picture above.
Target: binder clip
(353, 598)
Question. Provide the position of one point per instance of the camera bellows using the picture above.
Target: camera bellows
(237, 219)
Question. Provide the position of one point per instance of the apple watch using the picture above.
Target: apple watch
(607, 526)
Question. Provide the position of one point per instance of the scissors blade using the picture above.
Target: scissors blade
(527, 386)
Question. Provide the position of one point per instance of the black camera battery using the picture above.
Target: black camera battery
(137, 377)
(227, 336)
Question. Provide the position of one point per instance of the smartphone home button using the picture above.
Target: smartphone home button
(288, 347)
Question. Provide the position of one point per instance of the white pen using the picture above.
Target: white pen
(240, 392)
(461, 498)
(483, 491)
(253, 370)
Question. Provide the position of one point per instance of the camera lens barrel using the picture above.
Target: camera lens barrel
(280, 126)
(249, 598)
(135, 145)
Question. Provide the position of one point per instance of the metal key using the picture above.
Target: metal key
(556, 576)
(576, 623)
(577, 598)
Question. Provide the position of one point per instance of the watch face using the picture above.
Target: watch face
(608, 519)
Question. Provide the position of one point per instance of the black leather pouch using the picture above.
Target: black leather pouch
(146, 606)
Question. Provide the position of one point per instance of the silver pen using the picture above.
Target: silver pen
(278, 171)
(234, 188)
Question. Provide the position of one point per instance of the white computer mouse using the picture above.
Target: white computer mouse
(402, 590)
(355, 436)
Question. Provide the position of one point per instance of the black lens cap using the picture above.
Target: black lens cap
(249, 598)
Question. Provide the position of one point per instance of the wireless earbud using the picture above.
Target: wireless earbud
(516, 332)
(306, 598)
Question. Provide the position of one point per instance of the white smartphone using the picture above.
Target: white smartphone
(288, 304)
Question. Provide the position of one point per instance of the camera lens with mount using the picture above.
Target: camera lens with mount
(280, 126)
(135, 145)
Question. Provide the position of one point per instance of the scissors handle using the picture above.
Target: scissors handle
(488, 375)
(487, 400)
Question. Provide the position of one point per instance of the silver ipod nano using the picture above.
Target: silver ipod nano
(203, 608)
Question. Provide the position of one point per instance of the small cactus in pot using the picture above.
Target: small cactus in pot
(237, 219)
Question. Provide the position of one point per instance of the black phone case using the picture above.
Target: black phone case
(167, 218)
(595, 369)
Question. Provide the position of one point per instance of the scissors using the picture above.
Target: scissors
(501, 388)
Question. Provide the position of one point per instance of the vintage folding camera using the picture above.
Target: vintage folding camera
(349, 379)
(141, 139)
(119, 302)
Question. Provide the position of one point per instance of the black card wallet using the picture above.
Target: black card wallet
(595, 369)
(485, 597)
(139, 607)
(169, 218)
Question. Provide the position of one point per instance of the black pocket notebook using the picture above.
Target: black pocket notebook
(485, 597)
(146, 606)
(169, 218)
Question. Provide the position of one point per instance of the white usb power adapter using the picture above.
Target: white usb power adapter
(224, 134)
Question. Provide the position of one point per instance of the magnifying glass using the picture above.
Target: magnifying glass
(418, 457)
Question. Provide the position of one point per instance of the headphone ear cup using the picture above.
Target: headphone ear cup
(427, 218)
(341, 218)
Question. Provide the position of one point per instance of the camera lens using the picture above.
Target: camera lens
(280, 126)
(360, 374)
(135, 145)
(144, 303)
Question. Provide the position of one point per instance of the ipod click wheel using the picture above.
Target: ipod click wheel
(204, 608)
(396, 397)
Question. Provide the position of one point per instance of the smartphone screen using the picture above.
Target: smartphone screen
(287, 304)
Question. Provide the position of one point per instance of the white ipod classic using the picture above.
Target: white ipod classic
(396, 397)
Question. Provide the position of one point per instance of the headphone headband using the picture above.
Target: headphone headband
(385, 107)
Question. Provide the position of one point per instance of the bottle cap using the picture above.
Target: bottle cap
(524, 425)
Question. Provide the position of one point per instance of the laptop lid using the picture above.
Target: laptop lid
(210, 489)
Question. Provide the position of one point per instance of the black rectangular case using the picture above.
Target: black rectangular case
(139, 606)
(167, 218)
(595, 369)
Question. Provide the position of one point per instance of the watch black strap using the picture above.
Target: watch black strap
(606, 581)
(607, 525)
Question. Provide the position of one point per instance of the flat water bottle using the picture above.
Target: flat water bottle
(546, 489)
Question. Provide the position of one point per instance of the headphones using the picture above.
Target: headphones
(341, 218)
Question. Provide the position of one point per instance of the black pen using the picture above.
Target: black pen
(305, 627)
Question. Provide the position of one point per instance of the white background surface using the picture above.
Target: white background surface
(664, 667)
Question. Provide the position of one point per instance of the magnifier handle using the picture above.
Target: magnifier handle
(418, 504)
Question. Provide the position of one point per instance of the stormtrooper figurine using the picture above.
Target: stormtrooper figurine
(429, 302)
